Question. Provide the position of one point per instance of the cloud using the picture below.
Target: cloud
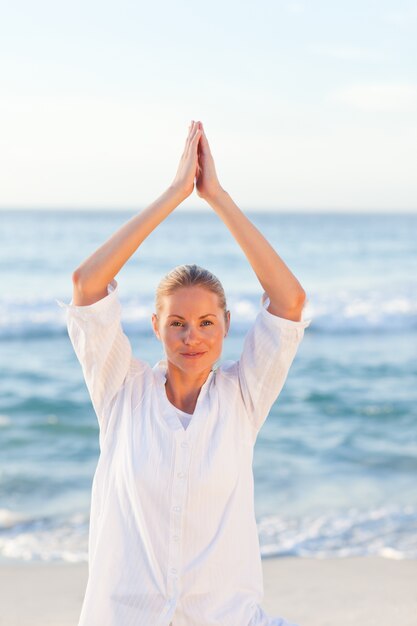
(377, 97)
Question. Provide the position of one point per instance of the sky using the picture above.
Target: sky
(307, 106)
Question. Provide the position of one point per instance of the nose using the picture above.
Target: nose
(191, 336)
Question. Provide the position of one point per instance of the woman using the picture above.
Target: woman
(173, 536)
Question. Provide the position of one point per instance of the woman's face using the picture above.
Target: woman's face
(191, 326)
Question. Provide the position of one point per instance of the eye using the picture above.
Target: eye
(178, 323)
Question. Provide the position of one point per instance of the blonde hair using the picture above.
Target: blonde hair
(190, 276)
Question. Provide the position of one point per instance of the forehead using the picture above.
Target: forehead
(191, 300)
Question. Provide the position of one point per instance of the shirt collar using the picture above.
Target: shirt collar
(169, 416)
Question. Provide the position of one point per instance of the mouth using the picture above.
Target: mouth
(192, 355)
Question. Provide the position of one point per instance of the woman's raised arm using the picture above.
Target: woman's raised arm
(287, 297)
(91, 278)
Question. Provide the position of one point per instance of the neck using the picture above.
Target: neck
(183, 388)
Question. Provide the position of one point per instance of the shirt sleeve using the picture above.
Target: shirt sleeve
(101, 346)
(268, 351)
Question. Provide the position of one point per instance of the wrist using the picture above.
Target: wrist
(177, 193)
(216, 197)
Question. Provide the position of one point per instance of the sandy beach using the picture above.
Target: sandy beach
(365, 591)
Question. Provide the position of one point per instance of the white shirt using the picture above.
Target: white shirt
(173, 535)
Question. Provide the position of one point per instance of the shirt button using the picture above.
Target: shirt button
(173, 570)
(177, 508)
(175, 538)
(184, 444)
(180, 474)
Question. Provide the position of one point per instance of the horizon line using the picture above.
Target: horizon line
(208, 209)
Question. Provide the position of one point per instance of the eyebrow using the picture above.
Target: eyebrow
(201, 316)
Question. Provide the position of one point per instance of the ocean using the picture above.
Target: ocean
(335, 463)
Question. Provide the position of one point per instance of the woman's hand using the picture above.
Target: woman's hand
(187, 169)
(207, 183)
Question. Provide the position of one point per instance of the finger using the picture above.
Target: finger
(189, 137)
(190, 130)
(204, 141)
(196, 134)
(192, 143)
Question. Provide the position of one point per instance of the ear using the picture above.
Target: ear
(155, 326)
(227, 322)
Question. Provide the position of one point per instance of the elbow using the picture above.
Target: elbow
(302, 297)
(299, 300)
(76, 277)
(296, 302)
(291, 311)
(88, 287)
(297, 308)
